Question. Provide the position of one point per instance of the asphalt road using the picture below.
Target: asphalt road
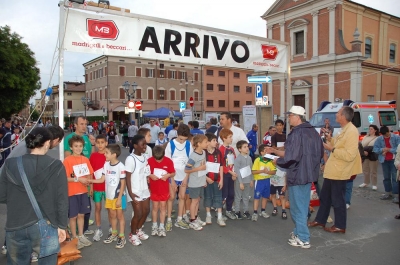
(372, 237)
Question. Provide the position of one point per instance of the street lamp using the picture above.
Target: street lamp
(130, 96)
(85, 102)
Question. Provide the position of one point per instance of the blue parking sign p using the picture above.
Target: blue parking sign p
(182, 105)
(259, 92)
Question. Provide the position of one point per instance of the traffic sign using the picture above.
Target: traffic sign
(259, 92)
(182, 106)
(191, 101)
(259, 79)
(131, 104)
(138, 105)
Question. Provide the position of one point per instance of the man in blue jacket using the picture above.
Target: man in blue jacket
(301, 159)
(252, 137)
(386, 148)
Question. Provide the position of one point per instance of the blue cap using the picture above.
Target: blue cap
(133, 122)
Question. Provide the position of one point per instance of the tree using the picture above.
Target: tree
(35, 115)
(18, 73)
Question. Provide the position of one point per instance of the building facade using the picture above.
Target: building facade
(339, 50)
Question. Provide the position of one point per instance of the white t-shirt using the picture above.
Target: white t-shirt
(179, 158)
(148, 153)
(154, 130)
(113, 175)
(238, 134)
(138, 166)
(172, 134)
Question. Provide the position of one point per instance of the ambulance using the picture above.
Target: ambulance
(378, 113)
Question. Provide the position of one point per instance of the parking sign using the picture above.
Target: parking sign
(259, 92)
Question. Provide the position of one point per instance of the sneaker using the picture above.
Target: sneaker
(396, 200)
(97, 235)
(296, 242)
(292, 236)
(154, 231)
(238, 215)
(86, 242)
(264, 214)
(254, 217)
(120, 242)
(110, 238)
(224, 217)
(221, 222)
(148, 219)
(200, 222)
(181, 224)
(230, 215)
(161, 232)
(247, 215)
(88, 232)
(195, 226)
(91, 222)
(134, 239)
(34, 257)
(186, 218)
(385, 197)
(168, 226)
(142, 235)
(208, 220)
(363, 185)
(374, 188)
(4, 250)
(347, 206)
(80, 245)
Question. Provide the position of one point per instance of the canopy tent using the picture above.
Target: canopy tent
(161, 113)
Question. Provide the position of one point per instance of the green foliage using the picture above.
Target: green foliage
(35, 115)
(18, 73)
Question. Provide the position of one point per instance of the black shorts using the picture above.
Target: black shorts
(273, 190)
(78, 204)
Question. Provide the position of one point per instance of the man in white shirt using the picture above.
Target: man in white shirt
(225, 120)
(154, 130)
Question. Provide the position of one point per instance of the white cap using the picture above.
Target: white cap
(298, 110)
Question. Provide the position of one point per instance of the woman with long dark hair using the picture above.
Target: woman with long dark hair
(370, 164)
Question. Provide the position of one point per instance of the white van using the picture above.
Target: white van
(365, 113)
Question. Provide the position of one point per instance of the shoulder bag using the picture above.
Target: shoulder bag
(49, 244)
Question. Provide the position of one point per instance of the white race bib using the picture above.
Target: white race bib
(213, 167)
(158, 172)
(180, 162)
(81, 170)
(245, 172)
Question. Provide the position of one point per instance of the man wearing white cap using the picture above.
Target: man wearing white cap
(301, 159)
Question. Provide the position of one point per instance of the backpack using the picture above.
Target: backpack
(187, 147)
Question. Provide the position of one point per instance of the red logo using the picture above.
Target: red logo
(102, 29)
(269, 52)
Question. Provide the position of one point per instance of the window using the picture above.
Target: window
(162, 95)
(69, 104)
(299, 42)
(183, 95)
(100, 95)
(210, 72)
(161, 73)
(139, 72)
(196, 76)
(210, 87)
(248, 89)
(105, 93)
(368, 47)
(249, 103)
(196, 96)
(69, 94)
(236, 75)
(121, 93)
(221, 103)
(392, 53)
(95, 95)
(236, 89)
(387, 118)
(122, 71)
(149, 73)
(236, 104)
(183, 76)
(94, 75)
(86, 78)
(221, 87)
(138, 93)
(150, 94)
(161, 66)
(172, 74)
(370, 98)
(101, 72)
(221, 73)
(90, 76)
(180, 75)
(105, 71)
(210, 103)
(91, 95)
(172, 95)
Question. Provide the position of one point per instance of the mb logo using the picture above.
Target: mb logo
(102, 29)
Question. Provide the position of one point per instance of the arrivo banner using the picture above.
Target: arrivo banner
(132, 37)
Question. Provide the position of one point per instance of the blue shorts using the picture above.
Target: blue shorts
(179, 183)
(78, 204)
(262, 188)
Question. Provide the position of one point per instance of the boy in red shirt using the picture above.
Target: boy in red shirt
(161, 168)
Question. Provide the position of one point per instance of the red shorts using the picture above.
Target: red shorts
(159, 197)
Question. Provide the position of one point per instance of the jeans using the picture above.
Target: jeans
(213, 196)
(389, 177)
(228, 191)
(332, 195)
(349, 191)
(299, 202)
(20, 245)
(111, 141)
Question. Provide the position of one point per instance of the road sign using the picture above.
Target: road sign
(131, 104)
(259, 92)
(265, 100)
(191, 101)
(182, 106)
(259, 79)
(138, 105)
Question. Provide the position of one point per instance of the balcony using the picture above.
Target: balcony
(94, 104)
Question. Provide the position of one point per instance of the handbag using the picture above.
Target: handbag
(49, 244)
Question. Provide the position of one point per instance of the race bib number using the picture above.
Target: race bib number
(180, 162)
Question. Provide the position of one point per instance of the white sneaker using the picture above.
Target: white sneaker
(264, 214)
(4, 250)
(296, 242)
(363, 185)
(142, 235)
(34, 257)
(200, 222)
(195, 226)
(374, 188)
(254, 217)
(148, 219)
(221, 222)
(161, 232)
(347, 206)
(208, 220)
(154, 231)
(134, 239)
(186, 218)
(97, 235)
(86, 242)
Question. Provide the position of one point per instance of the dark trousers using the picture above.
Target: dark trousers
(87, 217)
(130, 144)
(228, 191)
(333, 194)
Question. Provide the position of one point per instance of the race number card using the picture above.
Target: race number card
(81, 170)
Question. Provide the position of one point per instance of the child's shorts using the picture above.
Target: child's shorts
(78, 204)
(277, 188)
(262, 189)
(195, 193)
(98, 196)
(159, 197)
(179, 183)
(110, 204)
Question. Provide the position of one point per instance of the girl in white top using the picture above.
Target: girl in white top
(137, 171)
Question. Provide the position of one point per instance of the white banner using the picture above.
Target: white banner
(249, 117)
(132, 37)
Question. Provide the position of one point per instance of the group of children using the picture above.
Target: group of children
(184, 169)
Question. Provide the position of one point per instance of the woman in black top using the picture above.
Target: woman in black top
(112, 135)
